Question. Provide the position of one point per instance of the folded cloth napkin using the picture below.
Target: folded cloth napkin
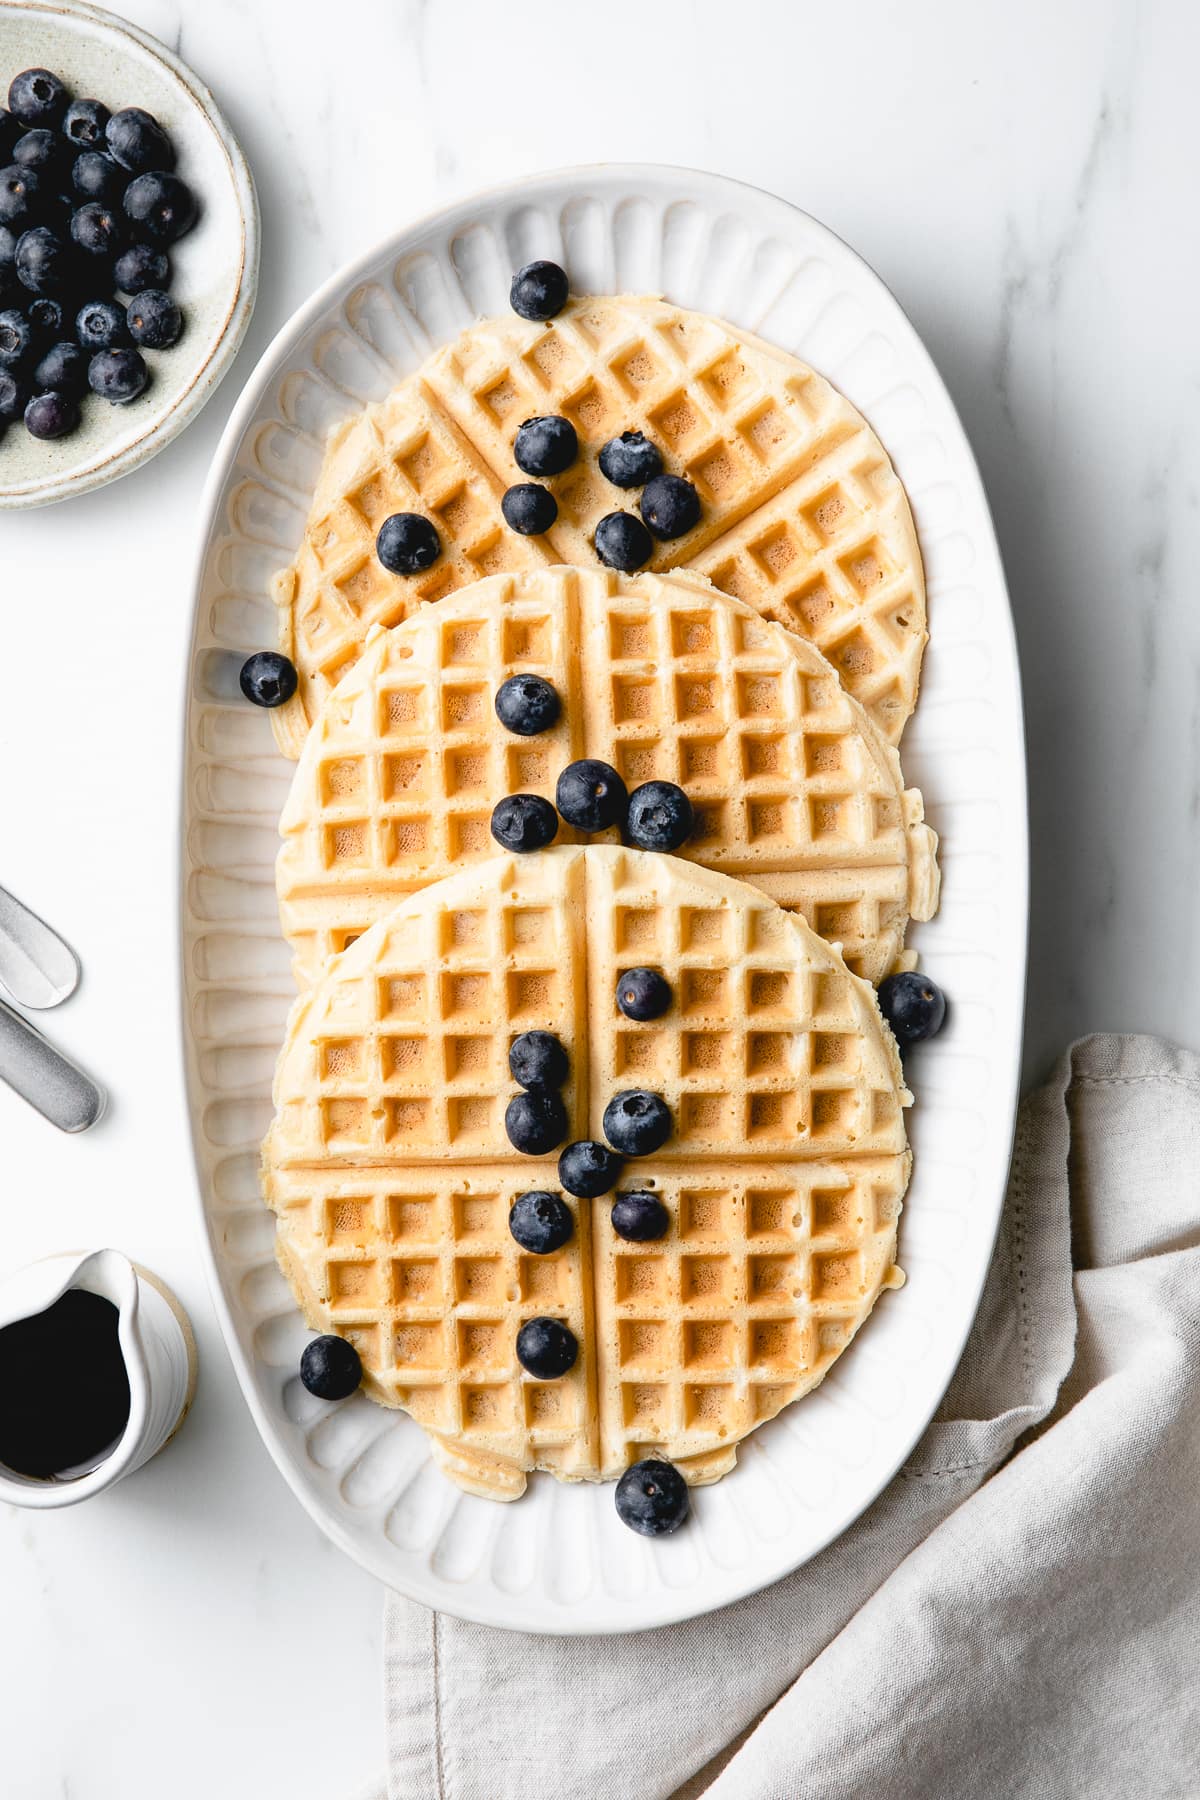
(1017, 1614)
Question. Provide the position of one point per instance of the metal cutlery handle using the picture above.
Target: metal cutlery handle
(50, 1081)
(36, 967)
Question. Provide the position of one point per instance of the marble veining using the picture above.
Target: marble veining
(958, 171)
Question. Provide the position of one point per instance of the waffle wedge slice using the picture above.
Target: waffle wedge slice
(803, 516)
(783, 1178)
(661, 676)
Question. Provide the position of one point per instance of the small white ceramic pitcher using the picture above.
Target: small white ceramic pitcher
(156, 1345)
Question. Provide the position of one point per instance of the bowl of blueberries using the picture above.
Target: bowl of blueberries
(128, 248)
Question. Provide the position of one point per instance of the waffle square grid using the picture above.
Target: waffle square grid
(661, 676)
(392, 1176)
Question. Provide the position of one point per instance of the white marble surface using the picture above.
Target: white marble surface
(1023, 177)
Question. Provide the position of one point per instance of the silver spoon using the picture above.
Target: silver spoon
(37, 968)
(37, 1070)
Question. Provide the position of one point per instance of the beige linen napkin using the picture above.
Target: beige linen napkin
(1035, 1633)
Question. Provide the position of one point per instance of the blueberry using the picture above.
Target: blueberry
(47, 317)
(84, 123)
(95, 176)
(17, 339)
(546, 1349)
(545, 445)
(268, 678)
(643, 994)
(541, 1223)
(44, 263)
(100, 325)
(587, 1169)
(117, 375)
(153, 320)
(670, 506)
(537, 1059)
(637, 1123)
(660, 816)
(37, 97)
(640, 1218)
(652, 1498)
(97, 229)
(524, 822)
(14, 394)
(407, 543)
(591, 795)
(8, 249)
(51, 415)
(330, 1368)
(536, 1122)
(913, 1006)
(141, 267)
(138, 142)
(529, 509)
(62, 370)
(45, 151)
(160, 207)
(630, 460)
(539, 290)
(20, 190)
(622, 542)
(10, 130)
(526, 705)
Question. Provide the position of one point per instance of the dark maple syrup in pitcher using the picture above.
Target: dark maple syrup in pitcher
(64, 1388)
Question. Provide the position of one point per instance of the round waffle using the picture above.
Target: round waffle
(391, 1174)
(661, 676)
(803, 516)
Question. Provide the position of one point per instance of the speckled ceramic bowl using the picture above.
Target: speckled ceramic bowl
(215, 266)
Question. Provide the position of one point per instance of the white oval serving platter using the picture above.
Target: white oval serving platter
(559, 1560)
(215, 267)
